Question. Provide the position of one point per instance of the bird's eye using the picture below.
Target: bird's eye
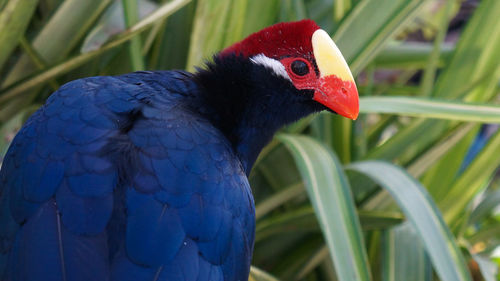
(299, 67)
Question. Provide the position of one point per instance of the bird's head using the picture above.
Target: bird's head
(307, 57)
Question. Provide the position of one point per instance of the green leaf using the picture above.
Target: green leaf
(411, 55)
(171, 46)
(235, 22)
(473, 180)
(486, 234)
(14, 19)
(442, 174)
(319, 257)
(476, 57)
(209, 30)
(431, 108)
(278, 199)
(373, 22)
(112, 22)
(341, 7)
(404, 256)
(426, 160)
(260, 14)
(423, 215)
(301, 219)
(429, 75)
(260, 275)
(59, 69)
(57, 38)
(386, 18)
(131, 14)
(408, 140)
(490, 201)
(464, 76)
(331, 198)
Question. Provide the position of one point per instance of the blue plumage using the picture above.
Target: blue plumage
(115, 178)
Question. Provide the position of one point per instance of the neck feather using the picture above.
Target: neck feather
(248, 103)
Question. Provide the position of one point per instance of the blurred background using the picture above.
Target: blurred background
(409, 191)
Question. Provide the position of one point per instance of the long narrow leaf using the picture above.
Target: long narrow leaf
(209, 30)
(431, 108)
(423, 214)
(331, 197)
(404, 256)
(257, 274)
(63, 31)
(429, 75)
(14, 19)
(56, 70)
(411, 55)
(368, 27)
(472, 181)
(476, 56)
(131, 14)
(462, 76)
(490, 202)
(302, 220)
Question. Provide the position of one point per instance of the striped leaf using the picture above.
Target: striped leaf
(431, 108)
(385, 18)
(331, 198)
(423, 215)
(402, 248)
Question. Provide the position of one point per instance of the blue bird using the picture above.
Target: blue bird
(143, 176)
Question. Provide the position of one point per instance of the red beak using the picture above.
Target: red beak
(336, 88)
(338, 95)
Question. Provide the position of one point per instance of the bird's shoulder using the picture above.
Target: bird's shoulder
(102, 145)
(187, 178)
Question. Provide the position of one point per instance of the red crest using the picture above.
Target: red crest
(277, 41)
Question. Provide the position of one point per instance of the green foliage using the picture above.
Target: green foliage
(327, 207)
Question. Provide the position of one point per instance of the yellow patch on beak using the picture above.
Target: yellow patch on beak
(328, 57)
(336, 88)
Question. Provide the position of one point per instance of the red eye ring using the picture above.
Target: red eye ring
(292, 65)
(307, 80)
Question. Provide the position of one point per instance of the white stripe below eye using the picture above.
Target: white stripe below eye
(272, 64)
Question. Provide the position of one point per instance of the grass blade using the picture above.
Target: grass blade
(341, 7)
(331, 198)
(477, 55)
(111, 23)
(58, 37)
(14, 20)
(131, 14)
(385, 18)
(278, 199)
(472, 181)
(491, 201)
(209, 29)
(260, 275)
(429, 75)
(302, 220)
(462, 76)
(56, 70)
(423, 215)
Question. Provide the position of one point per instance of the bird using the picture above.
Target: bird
(144, 176)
